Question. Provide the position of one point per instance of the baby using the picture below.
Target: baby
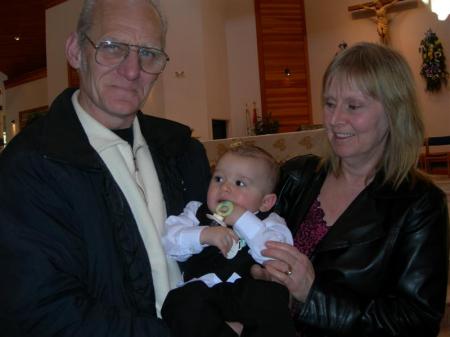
(216, 244)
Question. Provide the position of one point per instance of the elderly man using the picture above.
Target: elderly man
(85, 190)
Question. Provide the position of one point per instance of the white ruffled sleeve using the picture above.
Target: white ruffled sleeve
(257, 232)
(182, 233)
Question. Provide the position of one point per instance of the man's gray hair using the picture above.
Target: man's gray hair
(86, 14)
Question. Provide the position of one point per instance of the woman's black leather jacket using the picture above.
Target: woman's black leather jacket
(382, 268)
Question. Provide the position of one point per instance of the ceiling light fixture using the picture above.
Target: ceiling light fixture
(17, 37)
(440, 7)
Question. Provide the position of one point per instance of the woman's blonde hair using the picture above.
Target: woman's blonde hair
(383, 74)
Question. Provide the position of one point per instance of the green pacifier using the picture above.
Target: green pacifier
(224, 208)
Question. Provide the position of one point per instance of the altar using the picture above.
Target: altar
(283, 146)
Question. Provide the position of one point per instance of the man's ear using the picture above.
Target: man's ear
(268, 202)
(73, 51)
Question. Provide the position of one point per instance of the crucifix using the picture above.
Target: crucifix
(379, 7)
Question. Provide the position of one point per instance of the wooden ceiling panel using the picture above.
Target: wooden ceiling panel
(24, 19)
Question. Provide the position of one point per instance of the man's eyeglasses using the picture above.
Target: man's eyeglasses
(109, 53)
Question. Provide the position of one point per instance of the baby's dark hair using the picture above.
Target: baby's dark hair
(253, 151)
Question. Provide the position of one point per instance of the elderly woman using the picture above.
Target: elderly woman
(371, 254)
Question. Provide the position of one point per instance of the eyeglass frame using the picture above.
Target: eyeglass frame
(128, 47)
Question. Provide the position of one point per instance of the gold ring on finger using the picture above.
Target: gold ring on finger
(289, 271)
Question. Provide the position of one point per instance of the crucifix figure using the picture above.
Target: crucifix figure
(379, 7)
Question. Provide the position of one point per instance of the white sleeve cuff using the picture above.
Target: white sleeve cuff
(190, 237)
(248, 226)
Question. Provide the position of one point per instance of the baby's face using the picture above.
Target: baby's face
(241, 180)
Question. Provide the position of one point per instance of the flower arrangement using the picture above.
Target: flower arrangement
(266, 125)
(433, 68)
(259, 124)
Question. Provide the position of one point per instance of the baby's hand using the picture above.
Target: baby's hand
(219, 236)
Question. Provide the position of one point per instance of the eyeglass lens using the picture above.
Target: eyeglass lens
(110, 53)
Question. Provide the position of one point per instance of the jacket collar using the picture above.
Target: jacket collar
(375, 201)
(165, 137)
(381, 190)
(64, 138)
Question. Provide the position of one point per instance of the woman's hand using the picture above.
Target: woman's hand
(288, 267)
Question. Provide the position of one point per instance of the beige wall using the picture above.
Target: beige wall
(23, 97)
(328, 23)
(243, 72)
(213, 44)
(60, 20)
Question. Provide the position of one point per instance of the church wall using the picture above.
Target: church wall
(329, 23)
(23, 97)
(60, 21)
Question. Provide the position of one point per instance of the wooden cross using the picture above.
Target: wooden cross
(379, 7)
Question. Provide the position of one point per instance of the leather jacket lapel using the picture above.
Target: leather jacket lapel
(348, 230)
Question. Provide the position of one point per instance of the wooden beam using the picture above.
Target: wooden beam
(359, 6)
(25, 78)
(367, 4)
(51, 3)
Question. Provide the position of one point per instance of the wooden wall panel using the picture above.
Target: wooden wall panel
(282, 44)
(51, 3)
(22, 39)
